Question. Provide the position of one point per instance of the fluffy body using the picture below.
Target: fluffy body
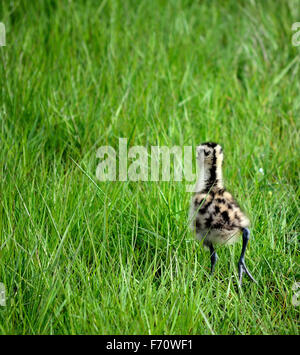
(215, 216)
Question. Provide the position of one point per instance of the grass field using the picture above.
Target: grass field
(80, 256)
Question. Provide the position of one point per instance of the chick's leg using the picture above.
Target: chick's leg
(242, 265)
(213, 258)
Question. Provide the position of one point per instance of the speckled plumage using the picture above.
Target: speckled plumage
(215, 216)
(218, 218)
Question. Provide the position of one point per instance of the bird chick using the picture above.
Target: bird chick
(215, 216)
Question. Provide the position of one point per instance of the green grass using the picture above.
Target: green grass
(80, 256)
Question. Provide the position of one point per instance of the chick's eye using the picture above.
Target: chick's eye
(206, 153)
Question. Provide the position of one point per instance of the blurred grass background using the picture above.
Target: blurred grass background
(80, 256)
